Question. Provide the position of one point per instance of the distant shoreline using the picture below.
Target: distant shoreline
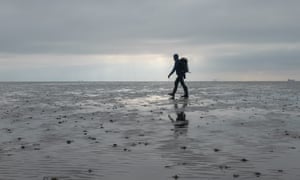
(296, 81)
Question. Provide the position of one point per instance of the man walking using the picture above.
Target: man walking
(180, 66)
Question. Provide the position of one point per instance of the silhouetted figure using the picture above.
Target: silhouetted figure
(180, 69)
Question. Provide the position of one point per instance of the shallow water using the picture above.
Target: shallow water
(130, 130)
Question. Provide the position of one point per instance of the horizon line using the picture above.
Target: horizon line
(65, 81)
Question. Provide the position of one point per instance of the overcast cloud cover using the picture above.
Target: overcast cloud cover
(135, 39)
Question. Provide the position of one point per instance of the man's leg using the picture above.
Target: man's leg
(175, 86)
(186, 93)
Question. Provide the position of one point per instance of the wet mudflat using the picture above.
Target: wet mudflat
(110, 130)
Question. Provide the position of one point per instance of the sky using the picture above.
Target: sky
(134, 40)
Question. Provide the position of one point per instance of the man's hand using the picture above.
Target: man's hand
(169, 76)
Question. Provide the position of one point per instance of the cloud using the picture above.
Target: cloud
(127, 26)
(218, 37)
(260, 61)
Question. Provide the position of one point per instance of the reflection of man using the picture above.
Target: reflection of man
(180, 71)
(180, 121)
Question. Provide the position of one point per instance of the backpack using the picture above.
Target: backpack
(183, 65)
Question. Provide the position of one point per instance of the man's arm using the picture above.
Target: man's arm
(170, 117)
(173, 70)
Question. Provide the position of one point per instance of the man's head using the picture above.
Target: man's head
(175, 56)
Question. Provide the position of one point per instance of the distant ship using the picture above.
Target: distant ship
(291, 80)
